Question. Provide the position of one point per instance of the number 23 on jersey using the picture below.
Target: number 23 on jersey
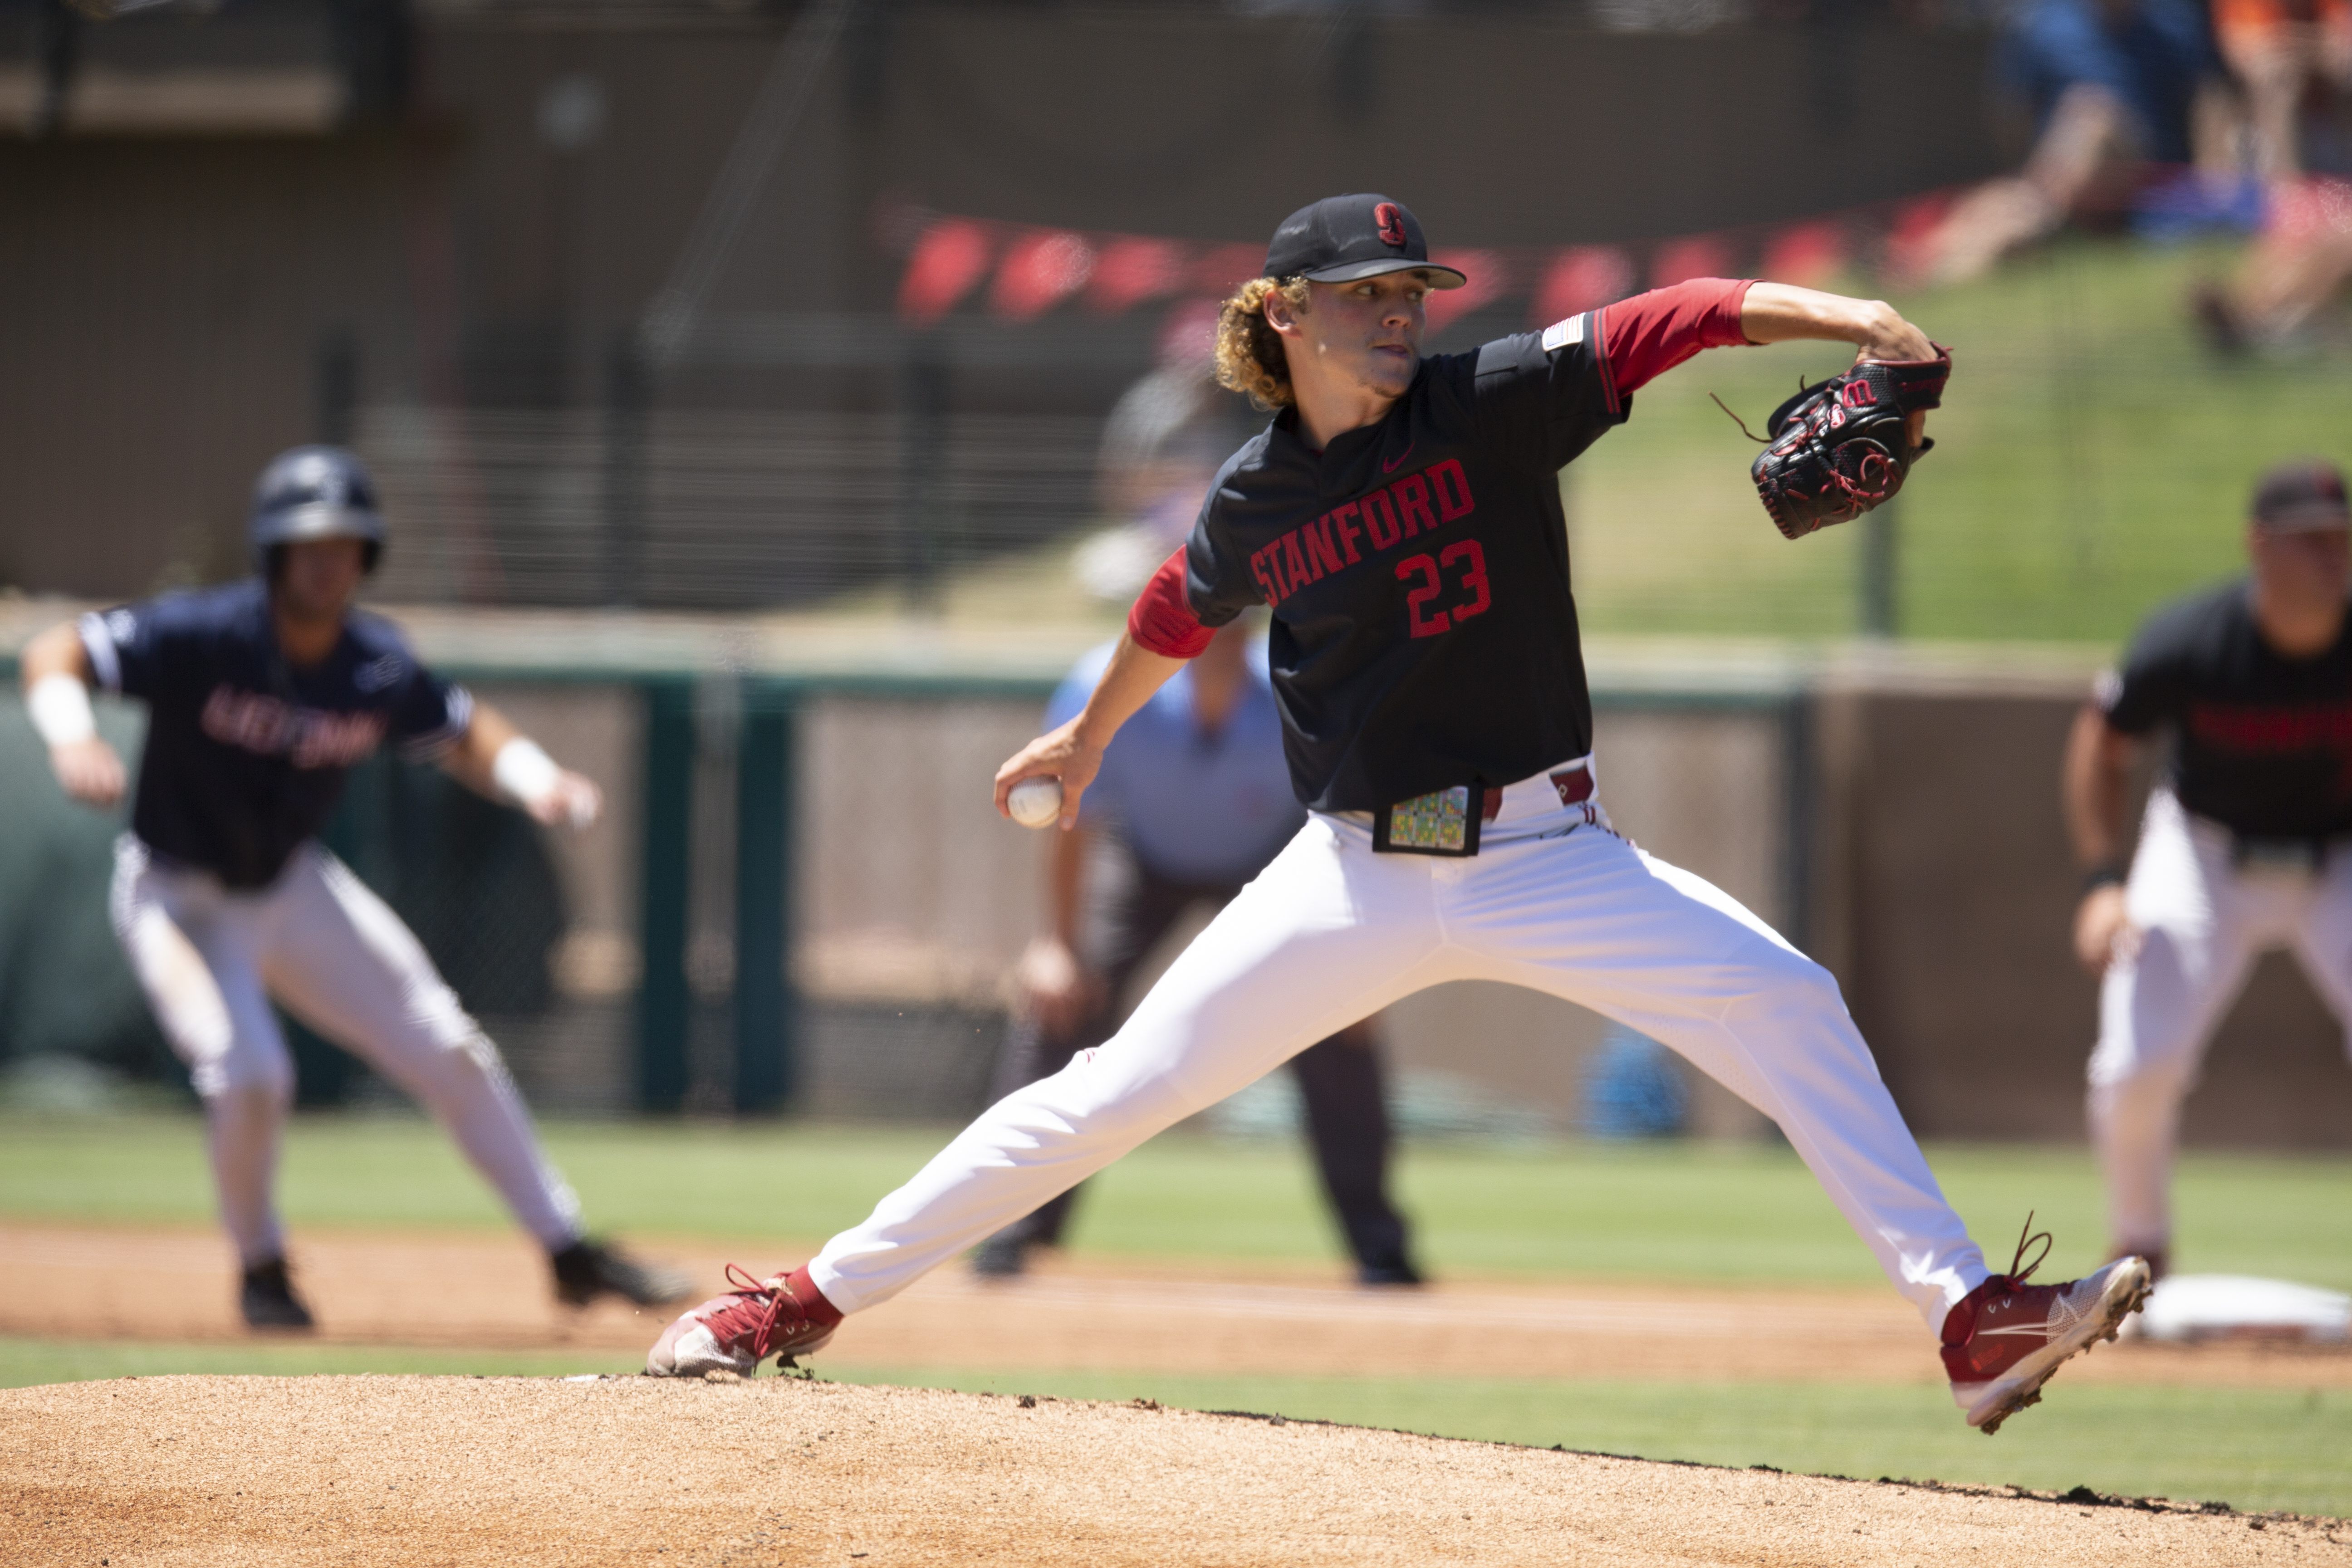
(1456, 575)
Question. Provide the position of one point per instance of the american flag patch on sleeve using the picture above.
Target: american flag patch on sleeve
(1560, 334)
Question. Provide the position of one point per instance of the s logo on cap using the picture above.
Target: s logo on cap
(1392, 223)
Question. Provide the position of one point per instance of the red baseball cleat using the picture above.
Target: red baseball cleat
(785, 1315)
(2006, 1338)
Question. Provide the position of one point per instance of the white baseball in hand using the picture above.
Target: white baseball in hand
(1035, 803)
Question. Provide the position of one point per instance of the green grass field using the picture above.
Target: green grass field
(1668, 1212)
(2092, 459)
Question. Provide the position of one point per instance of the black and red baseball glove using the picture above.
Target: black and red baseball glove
(1843, 445)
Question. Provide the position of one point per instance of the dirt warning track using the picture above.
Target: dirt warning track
(416, 1471)
(480, 1290)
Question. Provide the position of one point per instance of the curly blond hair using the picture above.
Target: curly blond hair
(1249, 351)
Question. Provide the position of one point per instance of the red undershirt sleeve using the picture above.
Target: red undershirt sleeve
(1162, 619)
(1649, 334)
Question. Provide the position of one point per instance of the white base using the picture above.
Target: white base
(2190, 1307)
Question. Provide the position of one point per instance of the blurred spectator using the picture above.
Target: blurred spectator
(2298, 263)
(1162, 444)
(2112, 86)
(2292, 62)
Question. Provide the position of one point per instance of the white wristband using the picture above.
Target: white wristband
(59, 706)
(524, 771)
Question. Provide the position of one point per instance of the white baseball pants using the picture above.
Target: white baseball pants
(2202, 923)
(1331, 932)
(335, 955)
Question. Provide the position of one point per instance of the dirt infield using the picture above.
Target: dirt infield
(490, 1291)
(413, 1471)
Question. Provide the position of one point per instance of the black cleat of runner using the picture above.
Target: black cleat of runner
(268, 1300)
(1399, 1275)
(587, 1269)
(1000, 1258)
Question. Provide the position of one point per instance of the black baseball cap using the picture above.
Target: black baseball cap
(2302, 497)
(1341, 239)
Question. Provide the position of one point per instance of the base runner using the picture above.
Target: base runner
(2247, 840)
(261, 696)
(1401, 516)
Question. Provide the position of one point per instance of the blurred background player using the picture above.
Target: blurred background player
(2243, 844)
(1197, 793)
(262, 695)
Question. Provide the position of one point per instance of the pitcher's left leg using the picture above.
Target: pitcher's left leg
(1594, 920)
(1662, 951)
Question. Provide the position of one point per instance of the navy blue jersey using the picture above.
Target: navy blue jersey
(2261, 743)
(1424, 632)
(246, 754)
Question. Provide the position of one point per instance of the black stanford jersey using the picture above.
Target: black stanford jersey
(1423, 631)
(2262, 743)
(246, 754)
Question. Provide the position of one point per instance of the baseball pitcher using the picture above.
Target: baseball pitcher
(1402, 517)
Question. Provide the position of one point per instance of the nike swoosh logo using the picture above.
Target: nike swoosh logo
(1400, 456)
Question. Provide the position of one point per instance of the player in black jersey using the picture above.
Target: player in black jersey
(1401, 516)
(2247, 840)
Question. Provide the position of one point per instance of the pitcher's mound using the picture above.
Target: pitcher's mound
(422, 1470)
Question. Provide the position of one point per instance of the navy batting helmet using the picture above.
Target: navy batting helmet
(314, 492)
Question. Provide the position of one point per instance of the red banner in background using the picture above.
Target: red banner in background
(1039, 271)
(1696, 256)
(1807, 254)
(1580, 278)
(1130, 271)
(1490, 279)
(1031, 271)
(951, 256)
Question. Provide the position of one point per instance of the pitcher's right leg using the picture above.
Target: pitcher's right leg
(1594, 920)
(1319, 941)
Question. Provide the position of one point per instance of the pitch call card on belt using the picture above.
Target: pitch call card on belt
(1442, 822)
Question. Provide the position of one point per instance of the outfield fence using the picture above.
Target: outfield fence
(801, 898)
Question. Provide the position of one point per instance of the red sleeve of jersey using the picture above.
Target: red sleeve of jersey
(1649, 334)
(1162, 619)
